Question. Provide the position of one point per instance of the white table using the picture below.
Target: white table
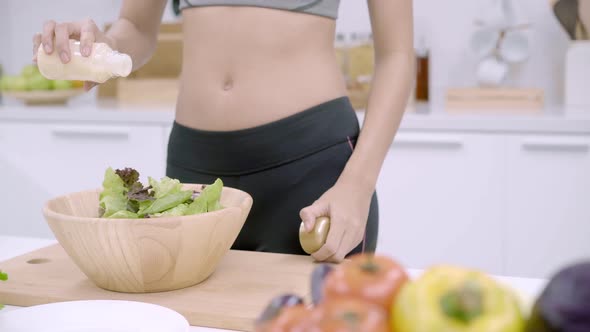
(11, 246)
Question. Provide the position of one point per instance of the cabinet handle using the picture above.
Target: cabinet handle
(543, 145)
(428, 141)
(90, 133)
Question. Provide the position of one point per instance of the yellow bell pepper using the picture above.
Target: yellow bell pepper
(454, 299)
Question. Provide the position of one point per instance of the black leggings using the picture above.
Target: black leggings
(284, 165)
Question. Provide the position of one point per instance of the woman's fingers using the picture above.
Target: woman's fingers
(333, 243)
(56, 38)
(36, 43)
(87, 36)
(62, 41)
(342, 238)
(47, 36)
(349, 241)
(311, 213)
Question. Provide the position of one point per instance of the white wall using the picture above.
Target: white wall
(5, 33)
(449, 24)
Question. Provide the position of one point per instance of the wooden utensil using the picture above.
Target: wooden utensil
(568, 15)
(584, 20)
(146, 255)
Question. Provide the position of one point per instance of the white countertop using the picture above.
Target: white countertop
(550, 121)
(11, 246)
(87, 113)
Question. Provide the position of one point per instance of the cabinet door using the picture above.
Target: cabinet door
(548, 199)
(40, 161)
(439, 200)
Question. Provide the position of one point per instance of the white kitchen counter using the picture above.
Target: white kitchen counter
(11, 246)
(551, 121)
(87, 113)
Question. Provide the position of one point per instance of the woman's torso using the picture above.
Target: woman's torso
(247, 66)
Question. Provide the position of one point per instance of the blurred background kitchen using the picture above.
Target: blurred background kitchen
(490, 168)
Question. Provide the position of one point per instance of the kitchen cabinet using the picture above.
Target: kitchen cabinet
(39, 161)
(440, 197)
(548, 203)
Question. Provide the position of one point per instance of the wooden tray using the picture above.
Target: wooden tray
(49, 97)
(495, 100)
(231, 298)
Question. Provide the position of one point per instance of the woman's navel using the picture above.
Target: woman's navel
(228, 83)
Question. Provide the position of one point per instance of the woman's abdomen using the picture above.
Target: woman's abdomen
(246, 66)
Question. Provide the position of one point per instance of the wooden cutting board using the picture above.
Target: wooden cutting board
(231, 298)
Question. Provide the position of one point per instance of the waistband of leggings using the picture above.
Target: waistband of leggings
(239, 152)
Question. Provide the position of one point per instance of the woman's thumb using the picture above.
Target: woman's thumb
(311, 213)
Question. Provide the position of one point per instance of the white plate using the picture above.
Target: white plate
(93, 316)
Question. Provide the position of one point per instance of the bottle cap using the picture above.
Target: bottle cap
(422, 47)
(120, 64)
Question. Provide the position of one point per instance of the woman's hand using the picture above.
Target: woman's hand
(348, 209)
(55, 38)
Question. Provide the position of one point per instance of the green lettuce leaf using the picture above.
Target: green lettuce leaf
(113, 197)
(179, 210)
(125, 197)
(165, 186)
(143, 205)
(199, 205)
(124, 214)
(212, 194)
(166, 202)
(208, 200)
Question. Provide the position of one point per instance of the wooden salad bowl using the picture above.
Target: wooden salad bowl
(146, 255)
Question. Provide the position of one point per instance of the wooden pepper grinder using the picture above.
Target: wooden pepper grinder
(314, 240)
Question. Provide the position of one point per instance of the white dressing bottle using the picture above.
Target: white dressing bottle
(103, 64)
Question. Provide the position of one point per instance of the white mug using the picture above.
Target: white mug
(491, 72)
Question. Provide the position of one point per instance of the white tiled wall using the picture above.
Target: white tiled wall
(449, 24)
